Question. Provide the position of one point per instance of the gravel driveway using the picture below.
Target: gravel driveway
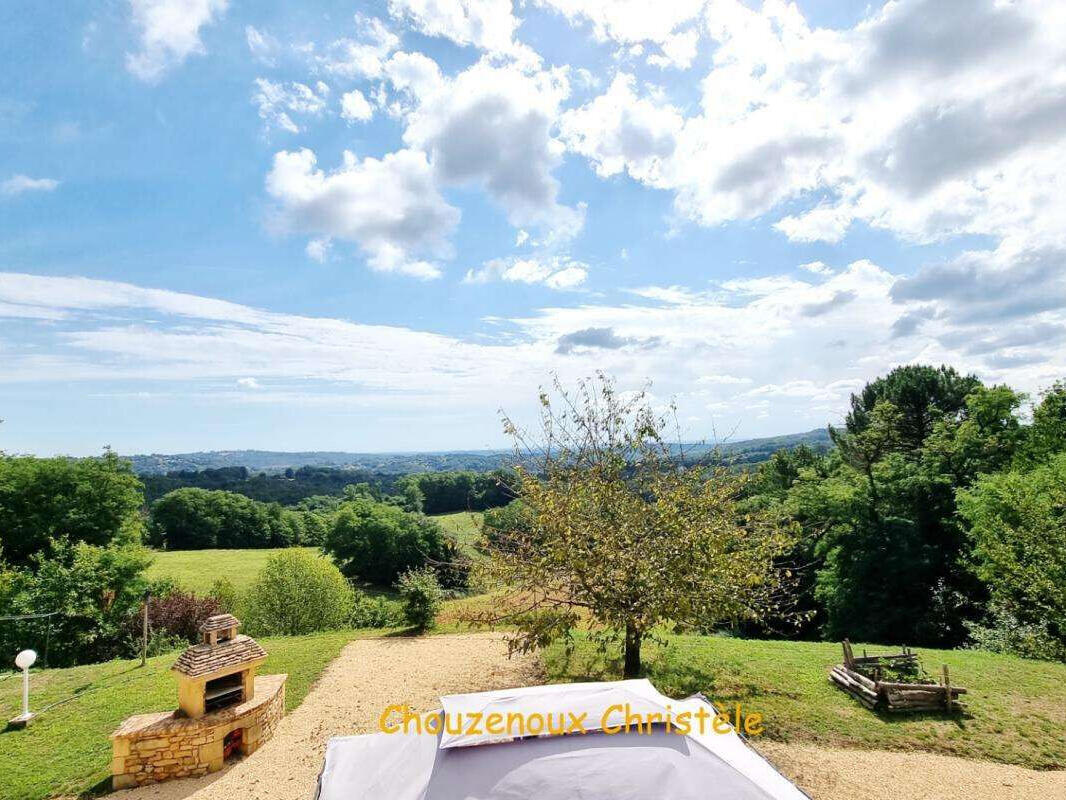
(370, 674)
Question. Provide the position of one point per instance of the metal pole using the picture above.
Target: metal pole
(26, 692)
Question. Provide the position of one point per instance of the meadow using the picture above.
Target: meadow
(197, 570)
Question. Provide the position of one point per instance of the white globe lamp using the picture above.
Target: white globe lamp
(24, 660)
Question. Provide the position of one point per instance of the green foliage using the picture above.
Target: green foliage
(921, 396)
(92, 500)
(444, 492)
(376, 612)
(1018, 524)
(1047, 435)
(421, 596)
(298, 593)
(95, 590)
(197, 519)
(376, 542)
(1002, 632)
(226, 595)
(891, 552)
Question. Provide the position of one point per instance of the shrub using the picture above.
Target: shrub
(298, 593)
(177, 615)
(377, 612)
(227, 596)
(421, 596)
(1005, 633)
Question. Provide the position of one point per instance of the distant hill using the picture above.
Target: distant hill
(748, 451)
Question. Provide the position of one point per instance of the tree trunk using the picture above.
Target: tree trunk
(632, 657)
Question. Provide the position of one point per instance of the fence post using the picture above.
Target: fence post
(144, 630)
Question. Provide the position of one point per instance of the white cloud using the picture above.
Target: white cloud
(487, 24)
(554, 272)
(355, 107)
(492, 126)
(743, 350)
(672, 27)
(621, 131)
(277, 102)
(390, 207)
(318, 249)
(817, 268)
(169, 33)
(248, 383)
(20, 184)
(263, 47)
(908, 122)
(364, 55)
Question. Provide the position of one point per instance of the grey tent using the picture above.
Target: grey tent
(596, 760)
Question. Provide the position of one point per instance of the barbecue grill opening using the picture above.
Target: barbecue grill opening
(225, 691)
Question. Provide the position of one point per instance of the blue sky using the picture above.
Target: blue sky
(369, 226)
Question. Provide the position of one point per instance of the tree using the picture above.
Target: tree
(377, 542)
(195, 519)
(1047, 435)
(622, 534)
(1018, 526)
(920, 394)
(92, 500)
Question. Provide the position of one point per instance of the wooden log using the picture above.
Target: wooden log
(947, 689)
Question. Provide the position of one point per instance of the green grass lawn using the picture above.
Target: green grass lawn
(196, 570)
(465, 526)
(66, 751)
(1016, 714)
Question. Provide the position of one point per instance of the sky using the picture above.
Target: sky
(372, 226)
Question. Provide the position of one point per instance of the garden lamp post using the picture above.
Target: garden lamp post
(24, 661)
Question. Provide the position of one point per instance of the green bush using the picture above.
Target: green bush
(298, 593)
(421, 596)
(377, 612)
(228, 597)
(1005, 633)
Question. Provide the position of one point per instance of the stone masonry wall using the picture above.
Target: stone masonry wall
(149, 748)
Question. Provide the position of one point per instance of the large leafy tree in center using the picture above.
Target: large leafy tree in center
(621, 535)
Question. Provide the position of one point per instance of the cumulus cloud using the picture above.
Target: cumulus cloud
(491, 126)
(169, 32)
(488, 24)
(355, 107)
(620, 130)
(20, 184)
(278, 102)
(390, 207)
(670, 28)
(363, 55)
(554, 272)
(929, 118)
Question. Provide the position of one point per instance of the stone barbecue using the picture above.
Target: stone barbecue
(223, 709)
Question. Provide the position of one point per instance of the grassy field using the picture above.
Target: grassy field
(465, 526)
(66, 750)
(196, 570)
(1016, 713)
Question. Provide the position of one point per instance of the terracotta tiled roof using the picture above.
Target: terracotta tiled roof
(219, 622)
(203, 659)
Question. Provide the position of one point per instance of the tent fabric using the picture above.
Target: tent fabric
(589, 766)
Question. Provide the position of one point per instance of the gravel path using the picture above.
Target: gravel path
(370, 674)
